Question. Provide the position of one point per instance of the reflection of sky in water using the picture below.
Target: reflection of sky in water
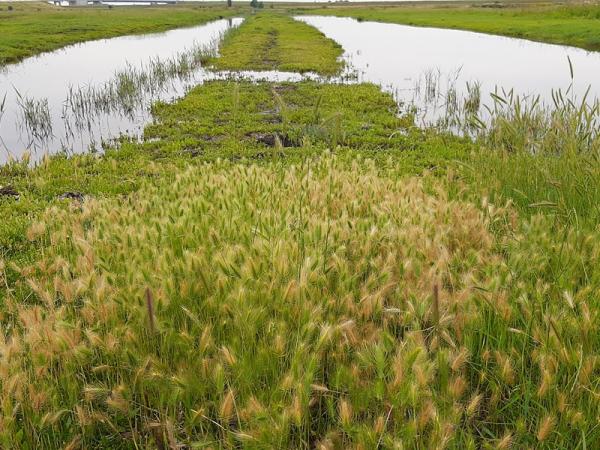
(396, 56)
(393, 56)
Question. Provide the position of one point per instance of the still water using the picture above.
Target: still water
(418, 65)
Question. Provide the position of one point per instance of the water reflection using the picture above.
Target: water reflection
(431, 67)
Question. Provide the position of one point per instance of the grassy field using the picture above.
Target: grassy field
(573, 25)
(295, 265)
(270, 41)
(385, 294)
(289, 309)
(32, 28)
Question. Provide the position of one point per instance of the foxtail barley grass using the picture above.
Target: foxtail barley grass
(322, 305)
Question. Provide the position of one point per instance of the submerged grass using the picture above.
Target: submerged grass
(35, 117)
(134, 88)
(273, 41)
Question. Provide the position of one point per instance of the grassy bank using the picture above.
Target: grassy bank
(32, 28)
(573, 25)
(270, 41)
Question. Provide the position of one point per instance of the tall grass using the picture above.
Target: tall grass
(508, 121)
(2, 109)
(567, 126)
(2, 106)
(542, 157)
(288, 309)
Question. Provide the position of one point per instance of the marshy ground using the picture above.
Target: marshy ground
(296, 265)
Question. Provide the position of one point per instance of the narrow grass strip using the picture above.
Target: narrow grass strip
(277, 42)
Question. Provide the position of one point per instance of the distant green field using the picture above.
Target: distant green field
(574, 25)
(32, 28)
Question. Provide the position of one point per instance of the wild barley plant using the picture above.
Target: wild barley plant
(289, 309)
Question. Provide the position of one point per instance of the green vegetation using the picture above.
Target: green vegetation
(271, 41)
(571, 25)
(219, 120)
(29, 29)
(566, 188)
(238, 115)
(293, 265)
(280, 306)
